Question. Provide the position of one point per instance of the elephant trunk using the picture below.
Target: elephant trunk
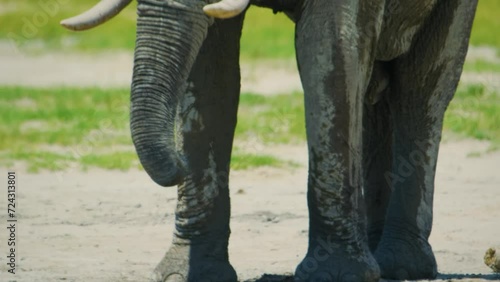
(169, 37)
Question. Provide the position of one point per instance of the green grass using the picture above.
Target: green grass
(486, 24)
(474, 113)
(78, 124)
(273, 120)
(29, 23)
(481, 66)
(57, 128)
(37, 159)
(264, 36)
(63, 116)
(242, 161)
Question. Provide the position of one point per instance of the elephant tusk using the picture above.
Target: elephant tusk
(226, 8)
(99, 14)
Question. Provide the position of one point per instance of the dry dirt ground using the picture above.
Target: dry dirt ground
(115, 226)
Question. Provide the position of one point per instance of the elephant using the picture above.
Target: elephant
(377, 78)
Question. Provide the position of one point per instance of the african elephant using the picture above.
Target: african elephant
(377, 77)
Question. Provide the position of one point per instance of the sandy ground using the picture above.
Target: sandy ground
(115, 226)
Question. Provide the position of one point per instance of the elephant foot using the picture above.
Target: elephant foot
(193, 263)
(406, 259)
(337, 262)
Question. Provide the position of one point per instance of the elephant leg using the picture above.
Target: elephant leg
(205, 128)
(423, 81)
(335, 77)
(377, 156)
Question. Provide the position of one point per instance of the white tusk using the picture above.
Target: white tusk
(226, 8)
(99, 14)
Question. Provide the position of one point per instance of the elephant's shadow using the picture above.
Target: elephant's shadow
(441, 276)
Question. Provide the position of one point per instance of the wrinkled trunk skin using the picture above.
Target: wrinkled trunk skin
(169, 36)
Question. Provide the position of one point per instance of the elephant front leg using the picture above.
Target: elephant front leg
(205, 129)
(335, 66)
(422, 84)
(199, 247)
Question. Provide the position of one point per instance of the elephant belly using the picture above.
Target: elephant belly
(402, 20)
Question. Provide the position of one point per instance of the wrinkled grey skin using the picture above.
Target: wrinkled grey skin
(377, 78)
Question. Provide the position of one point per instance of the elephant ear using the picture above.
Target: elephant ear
(226, 9)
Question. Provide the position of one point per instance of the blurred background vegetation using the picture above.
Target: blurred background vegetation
(265, 36)
(45, 127)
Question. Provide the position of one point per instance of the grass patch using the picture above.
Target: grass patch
(37, 160)
(64, 116)
(242, 161)
(272, 120)
(54, 128)
(116, 160)
(266, 35)
(481, 66)
(35, 25)
(486, 24)
(474, 113)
